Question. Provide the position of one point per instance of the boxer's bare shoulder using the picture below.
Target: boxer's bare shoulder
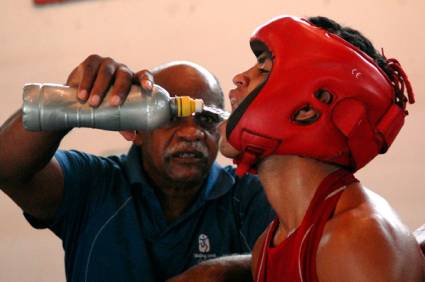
(365, 239)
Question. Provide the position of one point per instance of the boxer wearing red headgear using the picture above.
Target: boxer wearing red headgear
(314, 109)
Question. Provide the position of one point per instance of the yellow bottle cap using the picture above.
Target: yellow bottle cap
(187, 106)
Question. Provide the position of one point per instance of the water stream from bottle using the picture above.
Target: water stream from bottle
(222, 114)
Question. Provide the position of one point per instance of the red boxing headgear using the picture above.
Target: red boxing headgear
(365, 114)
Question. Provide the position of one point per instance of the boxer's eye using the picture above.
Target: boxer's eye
(264, 62)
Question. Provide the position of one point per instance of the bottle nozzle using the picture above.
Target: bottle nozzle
(187, 106)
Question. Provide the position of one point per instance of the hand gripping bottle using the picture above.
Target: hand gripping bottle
(54, 107)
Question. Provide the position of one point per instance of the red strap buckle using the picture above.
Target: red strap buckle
(247, 160)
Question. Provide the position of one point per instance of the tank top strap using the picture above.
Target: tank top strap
(262, 260)
(298, 251)
(321, 209)
(333, 184)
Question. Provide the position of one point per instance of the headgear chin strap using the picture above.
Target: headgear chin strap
(365, 114)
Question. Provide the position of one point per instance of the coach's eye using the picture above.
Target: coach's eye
(172, 122)
(207, 120)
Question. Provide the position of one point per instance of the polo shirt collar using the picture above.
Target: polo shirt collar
(218, 183)
(134, 166)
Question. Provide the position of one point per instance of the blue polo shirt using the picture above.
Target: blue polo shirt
(113, 228)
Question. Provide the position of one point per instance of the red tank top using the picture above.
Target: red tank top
(294, 260)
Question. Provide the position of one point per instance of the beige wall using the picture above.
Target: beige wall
(44, 44)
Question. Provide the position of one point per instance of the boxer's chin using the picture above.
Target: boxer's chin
(226, 149)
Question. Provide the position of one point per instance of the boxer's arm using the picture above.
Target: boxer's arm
(228, 268)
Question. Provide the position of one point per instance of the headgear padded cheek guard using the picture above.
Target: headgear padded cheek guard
(364, 116)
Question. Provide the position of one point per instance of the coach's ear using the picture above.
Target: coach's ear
(129, 135)
(132, 136)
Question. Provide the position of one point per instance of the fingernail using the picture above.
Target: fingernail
(116, 101)
(82, 95)
(94, 100)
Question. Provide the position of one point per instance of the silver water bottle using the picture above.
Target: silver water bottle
(54, 107)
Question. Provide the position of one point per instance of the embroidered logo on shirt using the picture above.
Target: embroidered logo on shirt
(204, 243)
(204, 248)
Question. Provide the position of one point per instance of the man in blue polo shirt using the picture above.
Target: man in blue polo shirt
(145, 216)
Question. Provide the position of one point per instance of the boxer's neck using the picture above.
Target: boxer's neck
(290, 183)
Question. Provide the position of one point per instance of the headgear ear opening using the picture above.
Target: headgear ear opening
(306, 115)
